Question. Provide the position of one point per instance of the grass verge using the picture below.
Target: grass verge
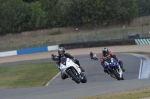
(135, 94)
(30, 75)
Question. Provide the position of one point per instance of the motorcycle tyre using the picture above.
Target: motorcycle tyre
(95, 58)
(73, 76)
(84, 80)
(116, 75)
(122, 78)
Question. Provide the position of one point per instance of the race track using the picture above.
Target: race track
(94, 70)
(98, 81)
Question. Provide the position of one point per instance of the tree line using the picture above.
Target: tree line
(26, 15)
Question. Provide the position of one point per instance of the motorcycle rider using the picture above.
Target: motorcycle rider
(105, 53)
(61, 53)
(91, 55)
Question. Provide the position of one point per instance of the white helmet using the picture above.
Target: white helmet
(105, 51)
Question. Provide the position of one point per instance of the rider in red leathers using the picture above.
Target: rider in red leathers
(106, 53)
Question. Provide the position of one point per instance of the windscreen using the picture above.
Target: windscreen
(63, 61)
(108, 59)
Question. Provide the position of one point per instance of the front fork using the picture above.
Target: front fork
(120, 71)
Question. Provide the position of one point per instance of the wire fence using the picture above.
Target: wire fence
(55, 36)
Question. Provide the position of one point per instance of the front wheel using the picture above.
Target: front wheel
(122, 78)
(74, 77)
(116, 74)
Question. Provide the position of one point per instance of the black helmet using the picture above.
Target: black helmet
(105, 51)
(61, 51)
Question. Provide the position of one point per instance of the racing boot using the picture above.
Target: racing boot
(77, 62)
(63, 76)
(121, 65)
(105, 70)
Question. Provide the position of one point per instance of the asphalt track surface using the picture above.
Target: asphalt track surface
(94, 70)
(98, 81)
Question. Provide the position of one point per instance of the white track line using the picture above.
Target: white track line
(140, 70)
(52, 79)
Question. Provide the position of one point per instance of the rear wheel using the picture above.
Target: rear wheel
(95, 58)
(74, 76)
(84, 80)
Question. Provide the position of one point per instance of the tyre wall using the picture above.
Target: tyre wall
(98, 43)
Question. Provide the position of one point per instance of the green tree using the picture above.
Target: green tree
(25, 15)
(17, 16)
(129, 10)
(28, 1)
(143, 7)
(36, 16)
(11, 14)
(97, 12)
(53, 13)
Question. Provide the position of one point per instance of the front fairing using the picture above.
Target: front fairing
(115, 63)
(111, 63)
(68, 63)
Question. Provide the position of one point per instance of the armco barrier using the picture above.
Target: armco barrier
(68, 46)
(54, 47)
(29, 51)
(8, 53)
(98, 43)
(144, 41)
(32, 50)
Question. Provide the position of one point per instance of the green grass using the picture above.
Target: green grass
(135, 94)
(30, 75)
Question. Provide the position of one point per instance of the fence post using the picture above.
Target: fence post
(27, 39)
(96, 34)
(142, 30)
(110, 33)
(123, 31)
(10, 41)
(126, 33)
(39, 37)
(77, 33)
(142, 25)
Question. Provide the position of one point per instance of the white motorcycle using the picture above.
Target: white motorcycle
(72, 70)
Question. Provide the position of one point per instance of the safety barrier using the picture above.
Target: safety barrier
(142, 41)
(29, 51)
(8, 53)
(98, 43)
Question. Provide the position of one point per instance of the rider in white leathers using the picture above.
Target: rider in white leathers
(61, 53)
